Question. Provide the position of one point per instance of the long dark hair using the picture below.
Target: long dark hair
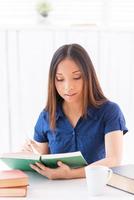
(92, 92)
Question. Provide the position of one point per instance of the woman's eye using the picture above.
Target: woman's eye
(59, 79)
(77, 78)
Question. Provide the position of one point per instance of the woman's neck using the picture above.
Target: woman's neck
(72, 108)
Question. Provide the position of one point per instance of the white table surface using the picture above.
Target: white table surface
(40, 188)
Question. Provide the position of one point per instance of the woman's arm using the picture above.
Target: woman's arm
(114, 150)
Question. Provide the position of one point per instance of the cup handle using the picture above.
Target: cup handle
(109, 174)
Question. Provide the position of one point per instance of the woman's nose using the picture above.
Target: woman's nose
(68, 86)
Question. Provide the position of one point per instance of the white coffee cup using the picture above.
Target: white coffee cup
(97, 177)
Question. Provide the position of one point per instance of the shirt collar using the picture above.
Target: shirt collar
(91, 112)
(59, 112)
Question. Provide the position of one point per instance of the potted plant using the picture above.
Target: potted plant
(43, 7)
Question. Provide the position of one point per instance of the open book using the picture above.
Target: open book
(22, 160)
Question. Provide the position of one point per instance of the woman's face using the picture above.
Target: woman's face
(69, 81)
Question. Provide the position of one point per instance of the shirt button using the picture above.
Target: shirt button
(73, 132)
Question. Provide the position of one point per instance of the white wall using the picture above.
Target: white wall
(25, 55)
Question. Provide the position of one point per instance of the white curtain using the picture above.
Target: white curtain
(25, 56)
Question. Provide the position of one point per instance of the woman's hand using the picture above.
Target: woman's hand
(31, 147)
(61, 172)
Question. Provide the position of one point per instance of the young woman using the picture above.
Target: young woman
(77, 117)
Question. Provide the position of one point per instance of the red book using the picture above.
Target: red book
(13, 178)
(13, 191)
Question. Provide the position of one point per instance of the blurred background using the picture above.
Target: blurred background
(31, 31)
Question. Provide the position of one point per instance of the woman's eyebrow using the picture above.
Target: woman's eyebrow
(78, 71)
(59, 73)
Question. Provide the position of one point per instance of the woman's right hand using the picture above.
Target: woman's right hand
(31, 147)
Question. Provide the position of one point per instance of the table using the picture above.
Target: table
(40, 188)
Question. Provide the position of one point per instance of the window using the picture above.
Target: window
(17, 11)
(102, 12)
(78, 11)
(121, 12)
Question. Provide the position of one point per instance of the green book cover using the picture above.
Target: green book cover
(73, 159)
(22, 161)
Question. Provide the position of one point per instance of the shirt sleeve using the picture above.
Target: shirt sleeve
(40, 129)
(114, 119)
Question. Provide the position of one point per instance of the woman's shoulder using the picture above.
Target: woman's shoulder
(43, 120)
(43, 114)
(113, 117)
(110, 105)
(106, 108)
(110, 109)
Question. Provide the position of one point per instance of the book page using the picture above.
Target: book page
(21, 155)
(62, 155)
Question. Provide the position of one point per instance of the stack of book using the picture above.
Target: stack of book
(13, 183)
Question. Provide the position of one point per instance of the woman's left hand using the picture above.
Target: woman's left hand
(61, 172)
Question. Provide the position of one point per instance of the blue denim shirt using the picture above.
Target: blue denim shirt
(88, 134)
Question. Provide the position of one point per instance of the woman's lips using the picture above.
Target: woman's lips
(70, 95)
